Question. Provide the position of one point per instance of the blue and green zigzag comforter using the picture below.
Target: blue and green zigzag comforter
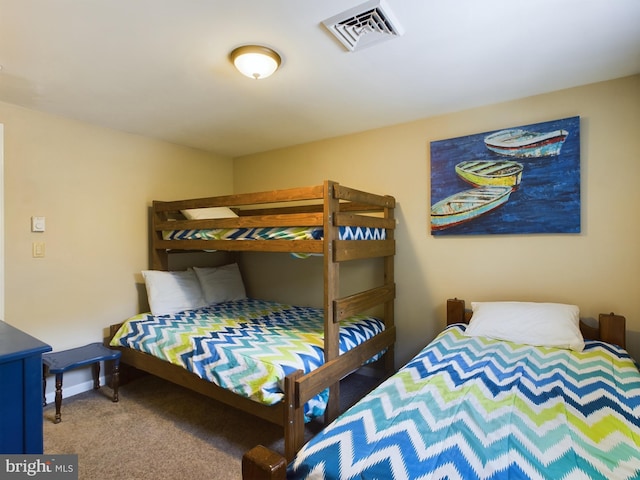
(274, 233)
(246, 346)
(474, 408)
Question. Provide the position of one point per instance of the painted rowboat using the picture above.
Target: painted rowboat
(490, 172)
(467, 205)
(525, 144)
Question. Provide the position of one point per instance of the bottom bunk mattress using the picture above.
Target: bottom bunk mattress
(246, 346)
(475, 408)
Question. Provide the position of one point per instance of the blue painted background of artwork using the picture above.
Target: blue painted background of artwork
(547, 200)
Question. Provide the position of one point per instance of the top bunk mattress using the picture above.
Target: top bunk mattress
(274, 233)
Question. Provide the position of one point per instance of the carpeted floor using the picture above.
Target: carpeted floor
(159, 431)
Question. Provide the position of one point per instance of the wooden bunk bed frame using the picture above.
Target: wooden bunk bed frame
(261, 463)
(330, 206)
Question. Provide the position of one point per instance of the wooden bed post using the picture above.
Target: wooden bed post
(159, 257)
(293, 416)
(260, 463)
(613, 329)
(390, 279)
(455, 311)
(331, 206)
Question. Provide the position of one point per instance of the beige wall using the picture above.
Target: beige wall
(598, 269)
(94, 187)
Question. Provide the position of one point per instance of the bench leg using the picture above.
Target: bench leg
(96, 375)
(115, 379)
(58, 398)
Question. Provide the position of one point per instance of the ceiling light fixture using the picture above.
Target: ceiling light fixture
(255, 61)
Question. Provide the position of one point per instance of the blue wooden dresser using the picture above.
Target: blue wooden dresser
(21, 429)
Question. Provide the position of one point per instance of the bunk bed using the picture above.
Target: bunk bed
(341, 224)
(561, 403)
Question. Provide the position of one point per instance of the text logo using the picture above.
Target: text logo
(50, 467)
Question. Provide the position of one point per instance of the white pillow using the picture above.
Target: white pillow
(208, 213)
(541, 324)
(221, 284)
(171, 292)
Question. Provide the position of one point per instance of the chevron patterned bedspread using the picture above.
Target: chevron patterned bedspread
(474, 408)
(246, 346)
(274, 233)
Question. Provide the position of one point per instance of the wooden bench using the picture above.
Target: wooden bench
(92, 354)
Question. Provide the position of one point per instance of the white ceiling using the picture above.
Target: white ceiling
(160, 68)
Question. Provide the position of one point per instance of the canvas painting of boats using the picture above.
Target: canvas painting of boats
(467, 205)
(490, 172)
(524, 143)
(517, 180)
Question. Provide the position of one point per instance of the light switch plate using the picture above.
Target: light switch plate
(38, 249)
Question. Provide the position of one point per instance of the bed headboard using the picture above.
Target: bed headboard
(611, 328)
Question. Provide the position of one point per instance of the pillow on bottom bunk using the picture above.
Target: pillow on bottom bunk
(539, 324)
(172, 292)
(221, 284)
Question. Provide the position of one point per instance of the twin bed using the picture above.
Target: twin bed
(561, 401)
(280, 362)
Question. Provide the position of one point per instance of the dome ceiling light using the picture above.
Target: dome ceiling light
(255, 61)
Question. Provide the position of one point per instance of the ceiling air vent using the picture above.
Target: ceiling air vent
(364, 25)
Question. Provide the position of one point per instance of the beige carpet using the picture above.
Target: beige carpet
(159, 431)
